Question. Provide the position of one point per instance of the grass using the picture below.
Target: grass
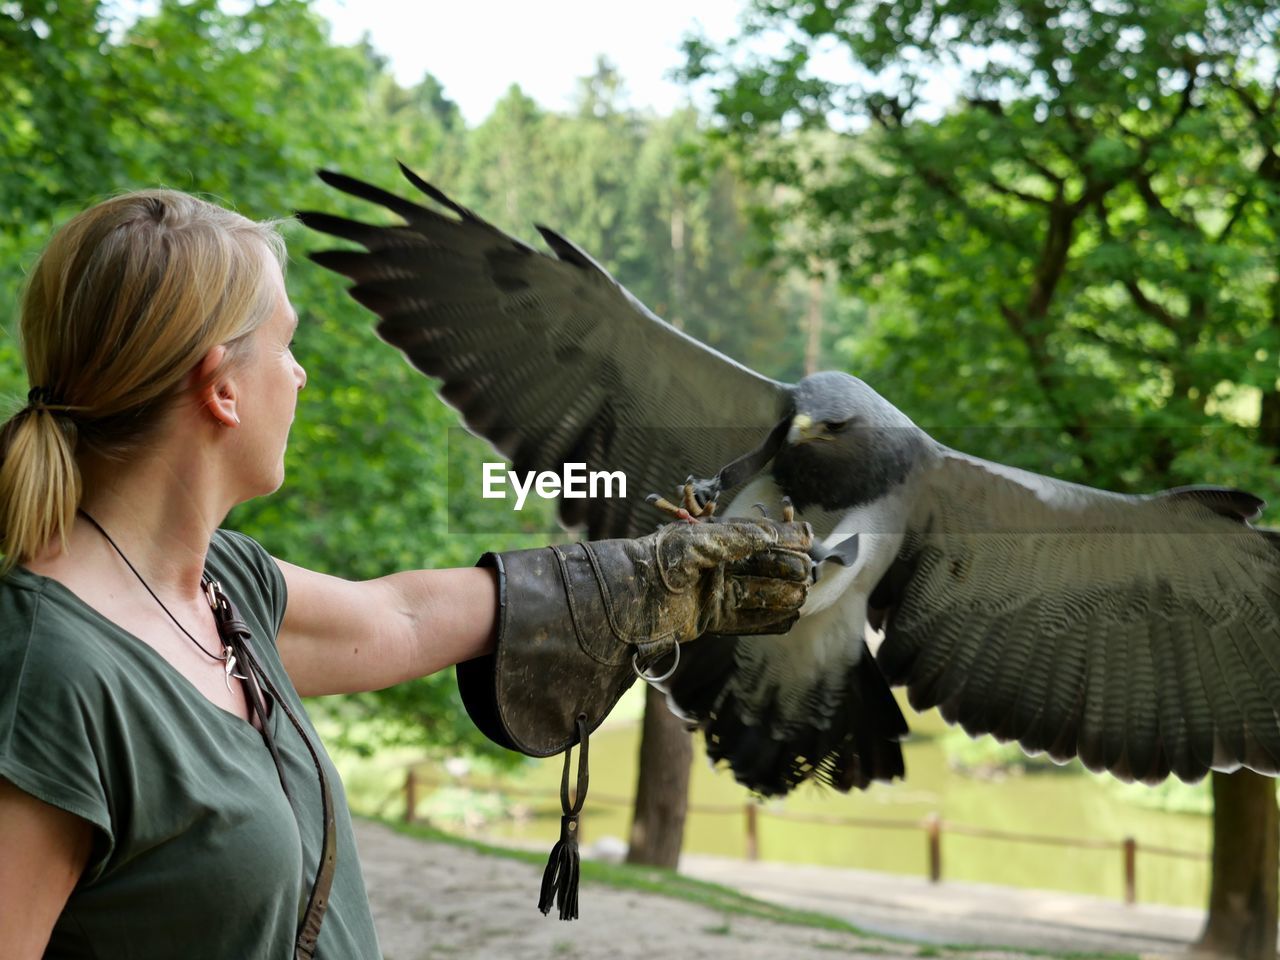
(952, 948)
(725, 900)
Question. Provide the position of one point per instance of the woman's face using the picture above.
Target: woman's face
(269, 381)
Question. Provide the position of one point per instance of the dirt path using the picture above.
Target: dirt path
(435, 900)
(954, 912)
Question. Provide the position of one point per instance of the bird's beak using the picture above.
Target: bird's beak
(802, 430)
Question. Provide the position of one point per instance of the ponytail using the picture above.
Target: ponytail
(39, 482)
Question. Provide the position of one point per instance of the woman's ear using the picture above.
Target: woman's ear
(216, 391)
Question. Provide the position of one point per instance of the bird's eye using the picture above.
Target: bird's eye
(835, 426)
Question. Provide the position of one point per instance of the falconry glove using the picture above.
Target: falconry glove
(577, 623)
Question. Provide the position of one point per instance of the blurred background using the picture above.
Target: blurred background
(1046, 231)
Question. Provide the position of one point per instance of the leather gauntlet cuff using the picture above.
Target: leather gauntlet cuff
(558, 653)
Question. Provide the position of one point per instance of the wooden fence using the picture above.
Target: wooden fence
(932, 825)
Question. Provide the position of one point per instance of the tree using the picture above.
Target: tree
(662, 786)
(1085, 239)
(244, 107)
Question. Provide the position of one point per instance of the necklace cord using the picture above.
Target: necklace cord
(134, 570)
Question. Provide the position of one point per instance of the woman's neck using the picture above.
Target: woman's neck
(160, 509)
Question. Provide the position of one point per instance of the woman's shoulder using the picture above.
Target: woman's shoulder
(58, 679)
(22, 595)
(62, 663)
(236, 548)
(45, 627)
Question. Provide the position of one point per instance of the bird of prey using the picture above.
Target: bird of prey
(1139, 633)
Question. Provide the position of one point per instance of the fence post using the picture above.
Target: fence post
(410, 794)
(1130, 871)
(753, 831)
(933, 831)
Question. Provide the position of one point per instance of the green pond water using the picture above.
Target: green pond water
(1071, 804)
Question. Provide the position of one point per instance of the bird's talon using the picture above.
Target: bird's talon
(690, 501)
(675, 511)
(663, 504)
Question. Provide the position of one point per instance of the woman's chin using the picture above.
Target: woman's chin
(264, 487)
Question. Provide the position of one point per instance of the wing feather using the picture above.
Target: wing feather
(1141, 698)
(1141, 634)
(548, 358)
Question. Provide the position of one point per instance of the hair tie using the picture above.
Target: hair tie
(38, 397)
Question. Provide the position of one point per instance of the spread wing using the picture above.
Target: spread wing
(549, 358)
(1141, 634)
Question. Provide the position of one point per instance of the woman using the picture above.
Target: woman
(141, 812)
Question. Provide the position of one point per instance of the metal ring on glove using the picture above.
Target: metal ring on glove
(635, 665)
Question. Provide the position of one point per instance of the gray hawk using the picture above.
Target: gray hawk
(1139, 633)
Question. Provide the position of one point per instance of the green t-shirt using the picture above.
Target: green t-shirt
(196, 850)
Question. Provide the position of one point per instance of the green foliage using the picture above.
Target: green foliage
(1070, 265)
(1171, 796)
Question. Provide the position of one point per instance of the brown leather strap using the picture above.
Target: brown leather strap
(235, 634)
(580, 794)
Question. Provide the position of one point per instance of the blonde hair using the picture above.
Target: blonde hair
(121, 306)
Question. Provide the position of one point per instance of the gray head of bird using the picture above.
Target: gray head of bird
(846, 444)
(839, 409)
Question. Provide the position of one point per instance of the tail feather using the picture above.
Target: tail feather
(844, 733)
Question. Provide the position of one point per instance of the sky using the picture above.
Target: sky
(477, 50)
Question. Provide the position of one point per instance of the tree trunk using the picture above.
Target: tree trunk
(1243, 894)
(662, 792)
(813, 324)
(1269, 422)
(675, 314)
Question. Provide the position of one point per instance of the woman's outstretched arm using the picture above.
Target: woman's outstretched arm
(343, 636)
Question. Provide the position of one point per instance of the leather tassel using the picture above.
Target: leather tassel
(560, 879)
(564, 866)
